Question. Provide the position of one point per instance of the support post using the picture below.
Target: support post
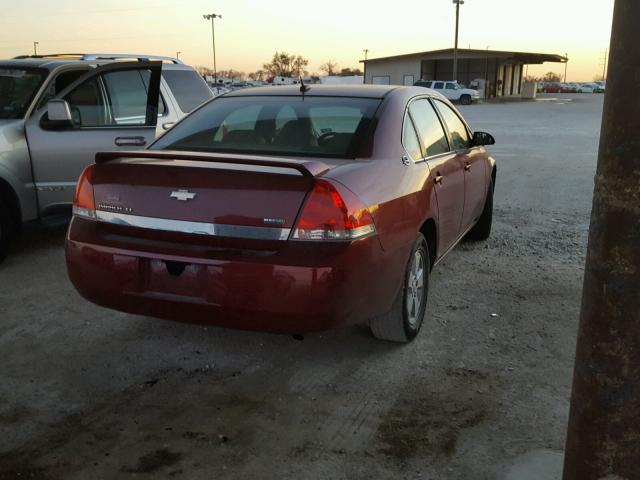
(603, 439)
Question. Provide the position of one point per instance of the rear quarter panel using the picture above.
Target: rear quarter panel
(400, 197)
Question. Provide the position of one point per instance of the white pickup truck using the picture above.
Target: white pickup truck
(452, 90)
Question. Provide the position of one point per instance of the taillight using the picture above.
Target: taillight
(332, 212)
(83, 203)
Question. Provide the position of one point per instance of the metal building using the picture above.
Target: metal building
(502, 72)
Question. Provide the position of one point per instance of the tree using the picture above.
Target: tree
(551, 77)
(203, 71)
(284, 65)
(231, 74)
(330, 67)
(349, 72)
(257, 75)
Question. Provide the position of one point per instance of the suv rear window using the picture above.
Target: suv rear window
(275, 125)
(188, 88)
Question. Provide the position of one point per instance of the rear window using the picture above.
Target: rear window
(188, 88)
(275, 125)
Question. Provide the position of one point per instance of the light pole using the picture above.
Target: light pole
(178, 55)
(212, 16)
(566, 63)
(35, 48)
(457, 3)
(366, 52)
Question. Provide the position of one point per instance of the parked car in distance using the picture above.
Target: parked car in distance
(551, 87)
(451, 90)
(287, 209)
(586, 88)
(57, 111)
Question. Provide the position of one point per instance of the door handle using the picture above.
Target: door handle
(467, 167)
(130, 141)
(168, 125)
(438, 179)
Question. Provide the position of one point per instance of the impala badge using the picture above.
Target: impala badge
(183, 195)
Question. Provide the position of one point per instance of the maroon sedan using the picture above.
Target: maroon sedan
(285, 209)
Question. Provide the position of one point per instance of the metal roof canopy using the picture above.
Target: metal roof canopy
(466, 53)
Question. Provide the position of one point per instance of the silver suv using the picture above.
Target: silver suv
(57, 111)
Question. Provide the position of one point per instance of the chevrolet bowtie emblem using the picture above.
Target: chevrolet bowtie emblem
(183, 195)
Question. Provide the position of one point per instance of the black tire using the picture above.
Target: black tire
(402, 323)
(465, 100)
(6, 231)
(482, 229)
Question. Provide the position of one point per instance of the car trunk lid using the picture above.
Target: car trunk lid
(203, 193)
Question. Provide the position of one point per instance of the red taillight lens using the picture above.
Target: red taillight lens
(83, 203)
(332, 212)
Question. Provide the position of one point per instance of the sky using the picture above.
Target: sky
(250, 31)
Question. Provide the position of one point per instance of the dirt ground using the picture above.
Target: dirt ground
(90, 393)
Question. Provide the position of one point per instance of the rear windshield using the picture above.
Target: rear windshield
(18, 86)
(275, 125)
(189, 89)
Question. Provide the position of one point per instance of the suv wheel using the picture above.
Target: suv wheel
(403, 322)
(465, 99)
(6, 231)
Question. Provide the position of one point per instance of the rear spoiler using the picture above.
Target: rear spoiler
(309, 169)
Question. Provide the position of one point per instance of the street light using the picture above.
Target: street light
(457, 3)
(35, 49)
(178, 55)
(211, 17)
(566, 63)
(366, 52)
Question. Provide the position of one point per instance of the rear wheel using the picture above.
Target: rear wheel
(403, 322)
(482, 229)
(465, 99)
(6, 230)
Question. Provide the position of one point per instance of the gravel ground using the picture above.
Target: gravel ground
(90, 393)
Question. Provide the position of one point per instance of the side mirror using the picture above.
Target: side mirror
(58, 115)
(483, 138)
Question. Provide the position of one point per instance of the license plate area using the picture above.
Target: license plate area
(176, 278)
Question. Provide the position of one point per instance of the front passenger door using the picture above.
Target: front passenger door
(474, 160)
(114, 107)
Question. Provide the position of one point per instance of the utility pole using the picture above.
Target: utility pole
(366, 52)
(455, 47)
(212, 17)
(178, 55)
(566, 64)
(604, 65)
(603, 439)
(35, 48)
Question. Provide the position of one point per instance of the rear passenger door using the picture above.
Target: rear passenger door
(446, 170)
(114, 107)
(474, 162)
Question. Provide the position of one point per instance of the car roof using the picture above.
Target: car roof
(54, 61)
(316, 90)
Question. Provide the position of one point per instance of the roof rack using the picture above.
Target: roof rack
(104, 56)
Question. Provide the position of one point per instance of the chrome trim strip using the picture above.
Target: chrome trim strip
(195, 228)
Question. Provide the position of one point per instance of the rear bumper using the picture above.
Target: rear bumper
(299, 288)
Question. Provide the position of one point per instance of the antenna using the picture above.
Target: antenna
(303, 88)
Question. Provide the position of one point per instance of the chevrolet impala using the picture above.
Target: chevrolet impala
(288, 209)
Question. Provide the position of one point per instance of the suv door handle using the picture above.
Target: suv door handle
(130, 141)
(438, 179)
(467, 167)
